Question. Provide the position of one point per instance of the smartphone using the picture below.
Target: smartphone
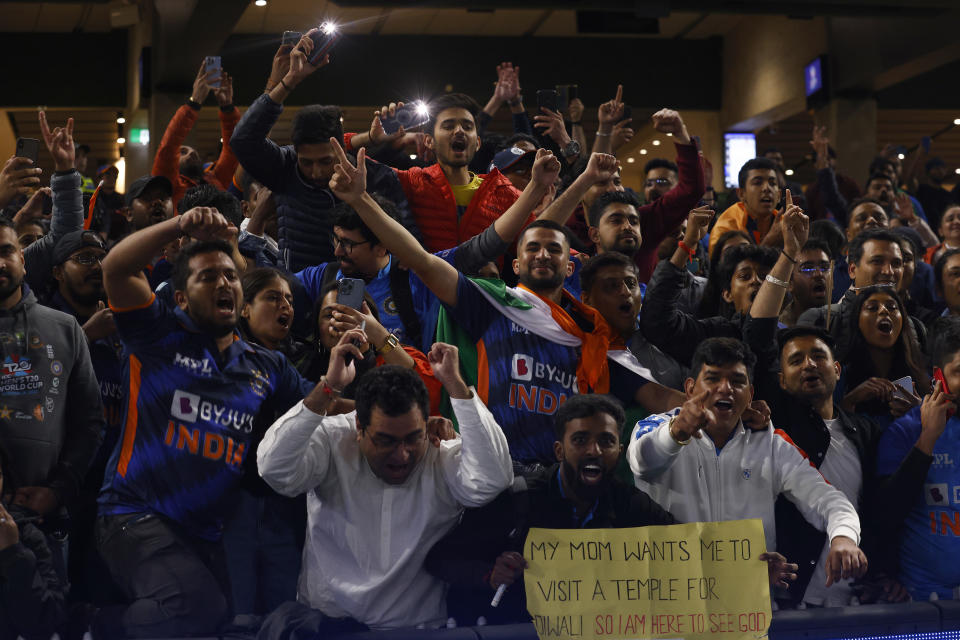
(905, 383)
(212, 65)
(350, 292)
(938, 375)
(290, 38)
(28, 148)
(547, 98)
(323, 38)
(409, 116)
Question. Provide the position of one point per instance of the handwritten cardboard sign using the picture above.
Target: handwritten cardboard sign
(695, 580)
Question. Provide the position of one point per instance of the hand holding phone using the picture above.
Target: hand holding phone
(939, 377)
(547, 98)
(28, 148)
(324, 37)
(211, 67)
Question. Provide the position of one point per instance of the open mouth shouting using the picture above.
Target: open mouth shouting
(885, 326)
(226, 305)
(459, 145)
(723, 407)
(284, 320)
(591, 473)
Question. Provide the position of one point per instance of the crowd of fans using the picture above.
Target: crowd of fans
(201, 430)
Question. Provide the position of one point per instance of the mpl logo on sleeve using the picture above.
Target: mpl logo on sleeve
(198, 366)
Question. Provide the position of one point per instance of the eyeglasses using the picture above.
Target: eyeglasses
(658, 182)
(87, 259)
(812, 270)
(389, 444)
(347, 244)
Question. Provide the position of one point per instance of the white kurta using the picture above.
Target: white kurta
(366, 539)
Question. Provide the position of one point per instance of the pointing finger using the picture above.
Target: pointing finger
(619, 95)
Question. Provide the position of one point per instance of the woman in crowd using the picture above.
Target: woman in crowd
(884, 349)
(711, 304)
(32, 596)
(949, 234)
(333, 319)
(263, 536)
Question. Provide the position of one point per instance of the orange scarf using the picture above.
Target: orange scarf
(593, 369)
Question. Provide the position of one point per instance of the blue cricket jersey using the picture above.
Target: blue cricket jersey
(189, 419)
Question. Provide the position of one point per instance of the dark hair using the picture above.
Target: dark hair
(855, 248)
(519, 137)
(864, 200)
(253, 282)
(451, 101)
(718, 352)
(831, 233)
(802, 331)
(585, 405)
(316, 124)
(392, 389)
(7, 222)
(659, 163)
(878, 163)
(711, 297)
(546, 224)
(608, 198)
(908, 358)
(207, 195)
(754, 165)
(346, 217)
(588, 273)
(944, 341)
(941, 265)
(816, 244)
(721, 277)
(181, 266)
(878, 176)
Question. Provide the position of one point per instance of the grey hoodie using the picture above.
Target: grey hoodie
(51, 416)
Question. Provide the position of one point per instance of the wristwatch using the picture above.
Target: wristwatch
(572, 149)
(389, 345)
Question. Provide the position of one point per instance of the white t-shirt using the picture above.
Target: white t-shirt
(841, 468)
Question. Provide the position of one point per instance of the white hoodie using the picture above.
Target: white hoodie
(697, 483)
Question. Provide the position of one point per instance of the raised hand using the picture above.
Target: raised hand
(201, 84)
(795, 227)
(205, 223)
(224, 93)
(340, 372)
(34, 206)
(280, 66)
(697, 222)
(669, 121)
(300, 67)
(934, 413)
(575, 110)
(377, 133)
(348, 182)
(101, 324)
(18, 177)
(444, 359)
(440, 429)
(60, 143)
(693, 417)
(601, 167)
(756, 416)
(611, 112)
(821, 147)
(551, 124)
(546, 168)
(621, 134)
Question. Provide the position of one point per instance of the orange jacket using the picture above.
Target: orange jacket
(435, 209)
(167, 161)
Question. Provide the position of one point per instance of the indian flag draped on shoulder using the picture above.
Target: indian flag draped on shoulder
(550, 321)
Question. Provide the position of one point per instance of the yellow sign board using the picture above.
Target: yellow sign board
(689, 581)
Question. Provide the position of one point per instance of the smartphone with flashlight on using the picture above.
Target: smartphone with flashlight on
(409, 116)
(211, 65)
(325, 36)
(938, 376)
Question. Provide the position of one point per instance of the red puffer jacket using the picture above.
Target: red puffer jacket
(435, 210)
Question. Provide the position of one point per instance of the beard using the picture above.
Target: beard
(541, 284)
(10, 287)
(581, 490)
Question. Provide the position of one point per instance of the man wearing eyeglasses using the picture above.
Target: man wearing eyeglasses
(808, 287)
(381, 490)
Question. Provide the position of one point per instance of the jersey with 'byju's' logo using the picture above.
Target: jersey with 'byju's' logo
(189, 420)
(930, 547)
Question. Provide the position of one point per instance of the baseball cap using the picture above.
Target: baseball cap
(142, 183)
(73, 242)
(509, 157)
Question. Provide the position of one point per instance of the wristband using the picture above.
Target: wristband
(516, 102)
(777, 281)
(787, 256)
(285, 86)
(606, 135)
(690, 252)
(578, 123)
(328, 389)
(193, 104)
(682, 443)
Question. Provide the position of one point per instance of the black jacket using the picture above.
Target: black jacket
(797, 539)
(32, 597)
(673, 331)
(466, 556)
